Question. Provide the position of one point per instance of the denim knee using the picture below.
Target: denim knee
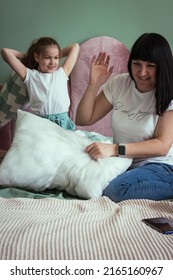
(151, 181)
(121, 188)
(116, 190)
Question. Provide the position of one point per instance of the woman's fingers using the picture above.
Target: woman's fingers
(94, 150)
(93, 59)
(102, 59)
(107, 60)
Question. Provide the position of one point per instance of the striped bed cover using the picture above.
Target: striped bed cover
(95, 229)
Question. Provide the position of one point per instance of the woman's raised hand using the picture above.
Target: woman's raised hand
(100, 71)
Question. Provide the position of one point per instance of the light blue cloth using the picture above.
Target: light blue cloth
(61, 119)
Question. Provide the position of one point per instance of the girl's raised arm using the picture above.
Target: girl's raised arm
(71, 52)
(12, 57)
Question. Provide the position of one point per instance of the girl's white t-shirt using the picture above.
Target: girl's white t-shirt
(134, 116)
(48, 92)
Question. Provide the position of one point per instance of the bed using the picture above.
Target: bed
(70, 220)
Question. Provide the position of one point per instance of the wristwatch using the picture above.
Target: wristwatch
(121, 151)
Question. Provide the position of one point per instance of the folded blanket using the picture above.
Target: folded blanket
(13, 96)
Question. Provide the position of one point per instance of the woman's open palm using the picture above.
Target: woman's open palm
(100, 71)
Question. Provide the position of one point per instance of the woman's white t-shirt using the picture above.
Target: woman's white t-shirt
(134, 114)
(48, 92)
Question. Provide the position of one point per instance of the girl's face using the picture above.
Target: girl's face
(48, 59)
(144, 75)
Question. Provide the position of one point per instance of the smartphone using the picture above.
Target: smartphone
(160, 224)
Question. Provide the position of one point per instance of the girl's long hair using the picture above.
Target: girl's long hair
(155, 48)
(37, 46)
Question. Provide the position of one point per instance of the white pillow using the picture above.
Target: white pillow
(44, 155)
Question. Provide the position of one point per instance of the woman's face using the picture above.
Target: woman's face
(144, 75)
(48, 60)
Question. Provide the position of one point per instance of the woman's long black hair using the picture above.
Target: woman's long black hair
(155, 48)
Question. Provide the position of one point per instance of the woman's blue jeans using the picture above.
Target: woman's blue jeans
(151, 181)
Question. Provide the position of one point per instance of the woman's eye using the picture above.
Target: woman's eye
(135, 63)
(151, 65)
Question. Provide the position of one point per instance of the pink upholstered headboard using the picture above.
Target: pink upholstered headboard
(80, 75)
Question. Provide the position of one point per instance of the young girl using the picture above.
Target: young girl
(45, 79)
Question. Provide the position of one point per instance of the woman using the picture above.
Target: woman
(44, 77)
(142, 118)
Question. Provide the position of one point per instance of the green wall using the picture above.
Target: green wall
(68, 21)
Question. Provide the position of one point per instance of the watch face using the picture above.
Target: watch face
(121, 150)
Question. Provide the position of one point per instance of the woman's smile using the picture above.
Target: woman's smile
(144, 74)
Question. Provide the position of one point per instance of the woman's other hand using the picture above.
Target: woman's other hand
(99, 150)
